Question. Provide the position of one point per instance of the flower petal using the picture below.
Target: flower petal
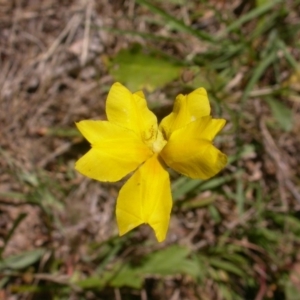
(140, 93)
(146, 198)
(187, 108)
(190, 152)
(205, 128)
(130, 111)
(115, 151)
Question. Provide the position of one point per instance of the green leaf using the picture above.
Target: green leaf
(170, 261)
(92, 282)
(281, 113)
(138, 70)
(127, 276)
(21, 261)
(226, 266)
(121, 274)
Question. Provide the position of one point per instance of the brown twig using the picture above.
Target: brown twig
(282, 173)
(86, 37)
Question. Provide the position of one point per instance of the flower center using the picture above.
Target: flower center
(159, 143)
(154, 139)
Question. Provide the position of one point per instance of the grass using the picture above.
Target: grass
(235, 236)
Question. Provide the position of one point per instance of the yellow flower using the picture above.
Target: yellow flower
(131, 141)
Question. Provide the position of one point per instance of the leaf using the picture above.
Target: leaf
(122, 274)
(170, 261)
(22, 260)
(92, 282)
(226, 266)
(138, 70)
(127, 276)
(281, 113)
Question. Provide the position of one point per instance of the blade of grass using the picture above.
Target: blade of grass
(179, 25)
(257, 73)
(240, 197)
(197, 203)
(216, 182)
(259, 203)
(187, 186)
(214, 213)
(290, 59)
(16, 223)
(263, 25)
(3, 282)
(282, 114)
(244, 152)
(144, 35)
(226, 266)
(108, 258)
(12, 196)
(255, 13)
